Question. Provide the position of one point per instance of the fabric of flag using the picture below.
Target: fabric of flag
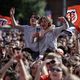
(5, 21)
(49, 15)
(73, 15)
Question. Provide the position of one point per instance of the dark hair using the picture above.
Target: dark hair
(16, 48)
(65, 49)
(11, 74)
(35, 16)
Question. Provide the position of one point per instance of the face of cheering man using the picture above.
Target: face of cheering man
(33, 20)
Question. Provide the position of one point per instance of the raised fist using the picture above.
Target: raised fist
(62, 19)
(12, 11)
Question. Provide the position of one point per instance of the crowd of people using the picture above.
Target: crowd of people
(39, 51)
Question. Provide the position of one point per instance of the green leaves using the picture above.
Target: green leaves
(24, 8)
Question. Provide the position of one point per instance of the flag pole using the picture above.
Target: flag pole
(77, 46)
(76, 34)
(64, 7)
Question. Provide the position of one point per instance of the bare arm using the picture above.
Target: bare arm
(42, 67)
(5, 67)
(64, 26)
(24, 72)
(12, 12)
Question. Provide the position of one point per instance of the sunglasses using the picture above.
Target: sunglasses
(55, 70)
(52, 62)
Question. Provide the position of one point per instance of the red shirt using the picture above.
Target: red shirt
(44, 77)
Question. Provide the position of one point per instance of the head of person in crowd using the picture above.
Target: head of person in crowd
(34, 20)
(71, 62)
(27, 55)
(71, 77)
(10, 75)
(75, 60)
(1, 43)
(62, 40)
(63, 43)
(77, 70)
(52, 59)
(19, 43)
(16, 50)
(55, 73)
(73, 50)
(67, 33)
(70, 35)
(44, 22)
(3, 54)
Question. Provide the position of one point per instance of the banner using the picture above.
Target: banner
(73, 15)
(5, 21)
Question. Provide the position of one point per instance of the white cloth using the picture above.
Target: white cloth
(49, 40)
(28, 33)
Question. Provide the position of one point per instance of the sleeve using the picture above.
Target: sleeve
(63, 27)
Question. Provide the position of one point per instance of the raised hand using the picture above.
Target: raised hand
(62, 19)
(12, 11)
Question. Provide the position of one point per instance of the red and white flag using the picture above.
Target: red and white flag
(5, 21)
(73, 15)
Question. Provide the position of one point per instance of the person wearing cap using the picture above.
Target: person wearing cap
(70, 36)
(29, 33)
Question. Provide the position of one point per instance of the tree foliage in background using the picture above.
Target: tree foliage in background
(24, 8)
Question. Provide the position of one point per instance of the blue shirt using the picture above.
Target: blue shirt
(28, 33)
